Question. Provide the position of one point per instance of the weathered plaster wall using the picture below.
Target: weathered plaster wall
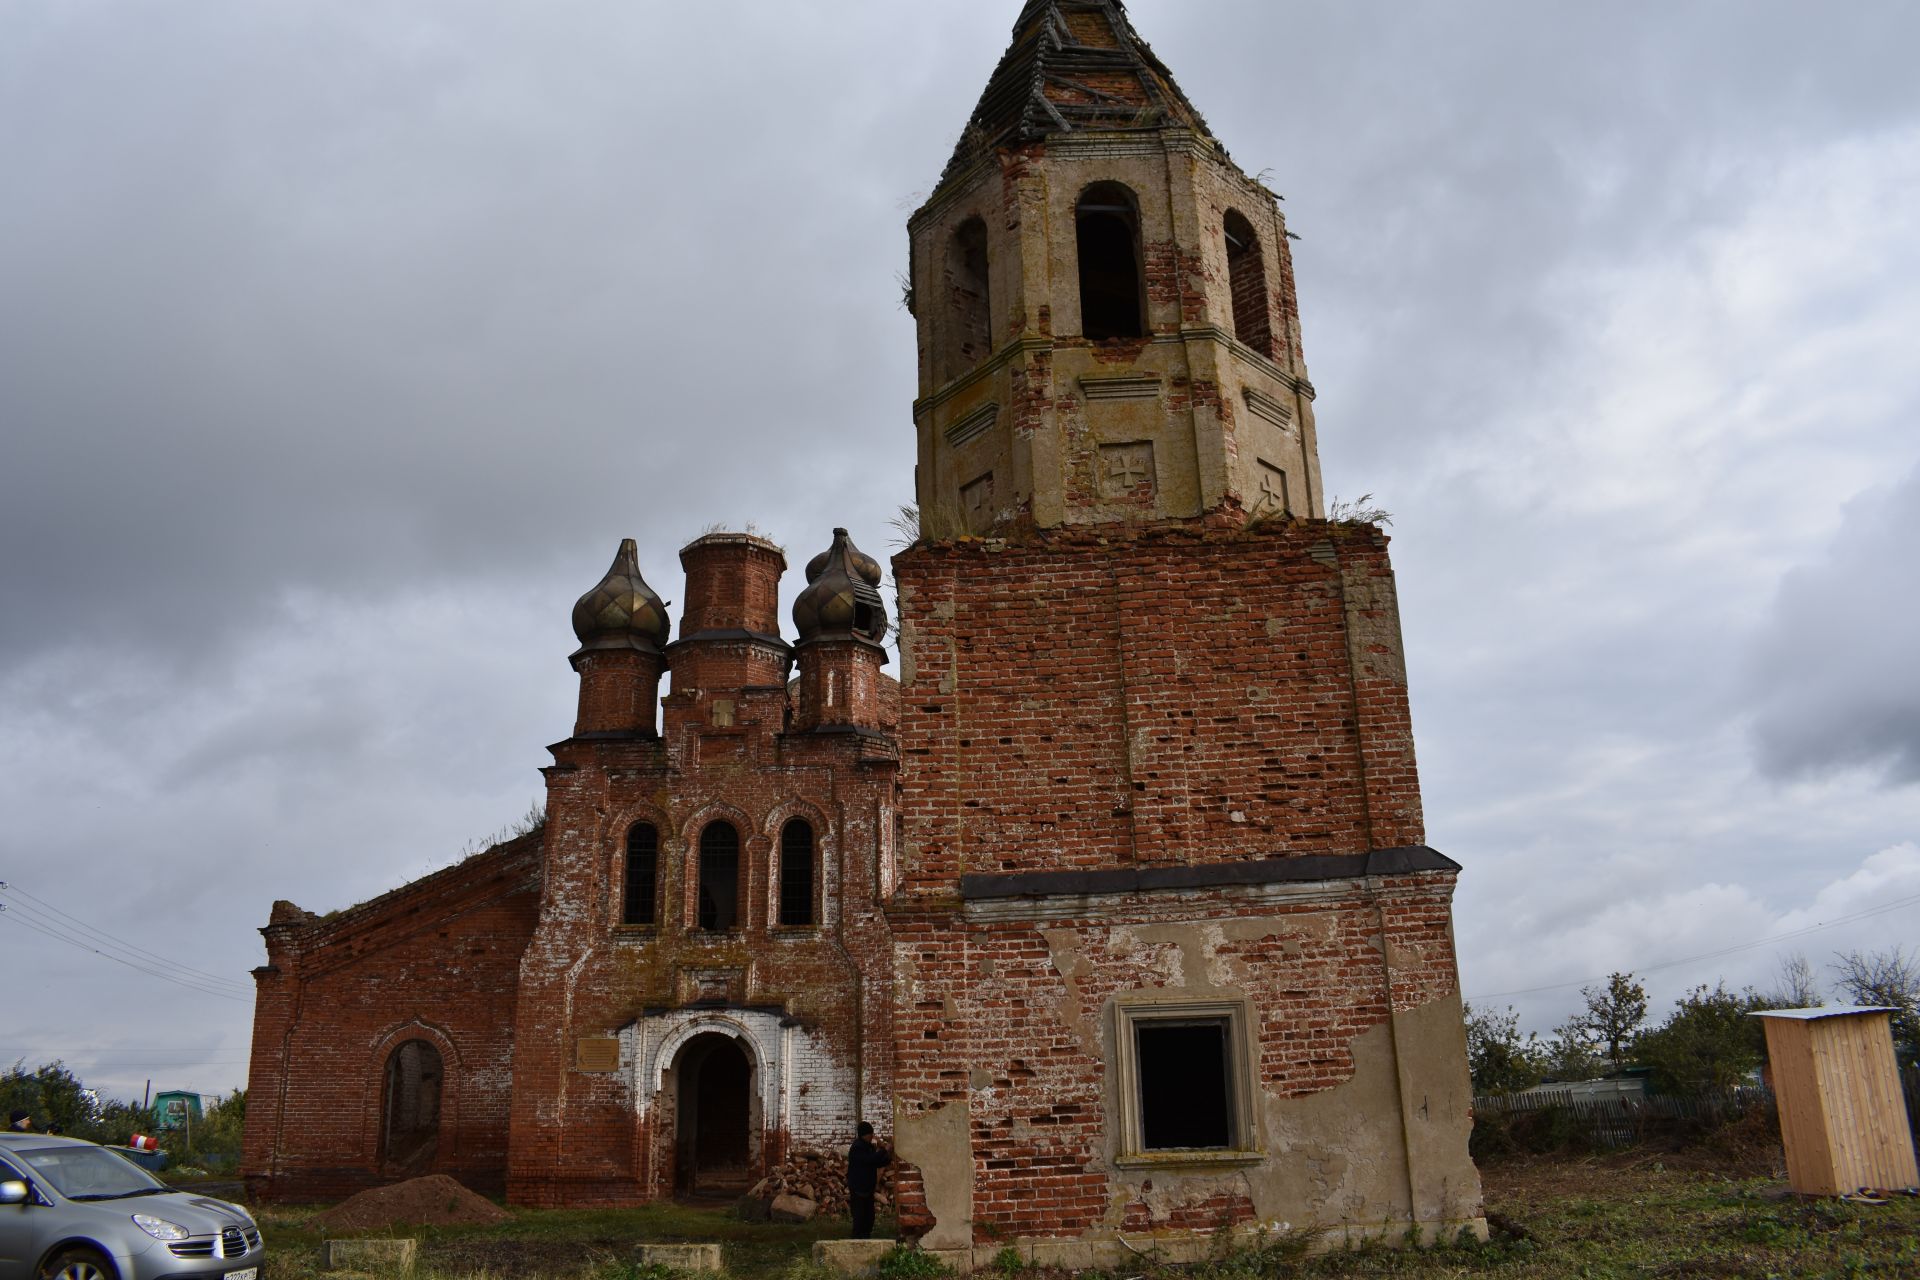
(1007, 1028)
(1052, 427)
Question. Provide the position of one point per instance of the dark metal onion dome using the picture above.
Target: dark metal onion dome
(842, 596)
(622, 612)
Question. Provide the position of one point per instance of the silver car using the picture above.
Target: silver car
(70, 1210)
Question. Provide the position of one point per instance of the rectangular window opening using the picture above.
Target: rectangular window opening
(1185, 1080)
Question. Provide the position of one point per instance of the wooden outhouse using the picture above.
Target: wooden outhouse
(1842, 1115)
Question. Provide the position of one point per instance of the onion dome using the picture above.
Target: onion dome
(842, 597)
(622, 612)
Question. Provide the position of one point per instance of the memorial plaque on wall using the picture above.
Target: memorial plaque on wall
(596, 1055)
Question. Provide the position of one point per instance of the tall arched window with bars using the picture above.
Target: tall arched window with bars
(796, 873)
(643, 874)
(718, 907)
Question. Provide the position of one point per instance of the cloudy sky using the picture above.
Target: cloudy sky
(340, 343)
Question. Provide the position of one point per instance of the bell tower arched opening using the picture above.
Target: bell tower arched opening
(1113, 300)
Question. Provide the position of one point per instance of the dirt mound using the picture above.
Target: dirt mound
(436, 1201)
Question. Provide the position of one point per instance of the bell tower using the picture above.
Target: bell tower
(1107, 323)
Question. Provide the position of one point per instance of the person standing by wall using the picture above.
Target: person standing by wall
(864, 1162)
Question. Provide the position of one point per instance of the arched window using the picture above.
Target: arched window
(1247, 274)
(969, 339)
(410, 1128)
(643, 873)
(1112, 300)
(796, 873)
(718, 907)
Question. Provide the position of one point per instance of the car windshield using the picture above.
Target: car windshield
(89, 1173)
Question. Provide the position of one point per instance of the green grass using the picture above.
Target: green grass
(1614, 1218)
(565, 1243)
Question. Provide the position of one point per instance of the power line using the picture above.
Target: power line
(43, 927)
(115, 942)
(1791, 934)
(24, 920)
(21, 920)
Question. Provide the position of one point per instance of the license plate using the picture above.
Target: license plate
(245, 1273)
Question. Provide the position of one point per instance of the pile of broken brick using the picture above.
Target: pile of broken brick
(810, 1184)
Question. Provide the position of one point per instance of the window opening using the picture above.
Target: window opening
(643, 872)
(1107, 225)
(796, 873)
(970, 305)
(719, 903)
(1185, 1083)
(1247, 275)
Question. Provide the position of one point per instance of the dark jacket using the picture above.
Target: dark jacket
(863, 1167)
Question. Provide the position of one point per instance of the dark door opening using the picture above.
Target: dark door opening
(714, 1146)
(410, 1133)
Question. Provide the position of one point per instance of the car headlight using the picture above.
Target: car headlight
(160, 1228)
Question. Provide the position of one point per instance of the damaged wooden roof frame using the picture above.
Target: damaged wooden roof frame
(1073, 65)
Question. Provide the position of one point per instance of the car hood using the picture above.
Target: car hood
(200, 1215)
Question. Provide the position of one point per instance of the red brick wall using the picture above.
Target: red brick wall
(733, 581)
(436, 960)
(839, 684)
(619, 691)
(1095, 697)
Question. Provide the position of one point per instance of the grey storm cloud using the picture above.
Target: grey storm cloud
(1835, 683)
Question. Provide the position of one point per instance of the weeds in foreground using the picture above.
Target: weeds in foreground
(910, 1262)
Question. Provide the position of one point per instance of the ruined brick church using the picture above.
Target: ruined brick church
(1114, 913)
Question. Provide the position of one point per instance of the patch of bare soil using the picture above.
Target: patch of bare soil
(435, 1201)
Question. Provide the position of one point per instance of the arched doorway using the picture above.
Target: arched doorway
(715, 1120)
(410, 1108)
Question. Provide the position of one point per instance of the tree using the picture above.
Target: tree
(1614, 1012)
(1707, 1044)
(1499, 1059)
(1572, 1053)
(1890, 978)
(1795, 987)
(51, 1094)
(55, 1097)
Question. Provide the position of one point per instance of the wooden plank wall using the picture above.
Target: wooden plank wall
(1803, 1119)
(1866, 1112)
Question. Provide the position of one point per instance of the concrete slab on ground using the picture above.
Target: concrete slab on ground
(681, 1257)
(369, 1254)
(851, 1257)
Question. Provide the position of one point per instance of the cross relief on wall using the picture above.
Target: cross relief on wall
(1271, 497)
(1126, 470)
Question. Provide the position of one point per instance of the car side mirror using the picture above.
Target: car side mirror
(13, 1193)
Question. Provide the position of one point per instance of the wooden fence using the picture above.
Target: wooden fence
(1617, 1121)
